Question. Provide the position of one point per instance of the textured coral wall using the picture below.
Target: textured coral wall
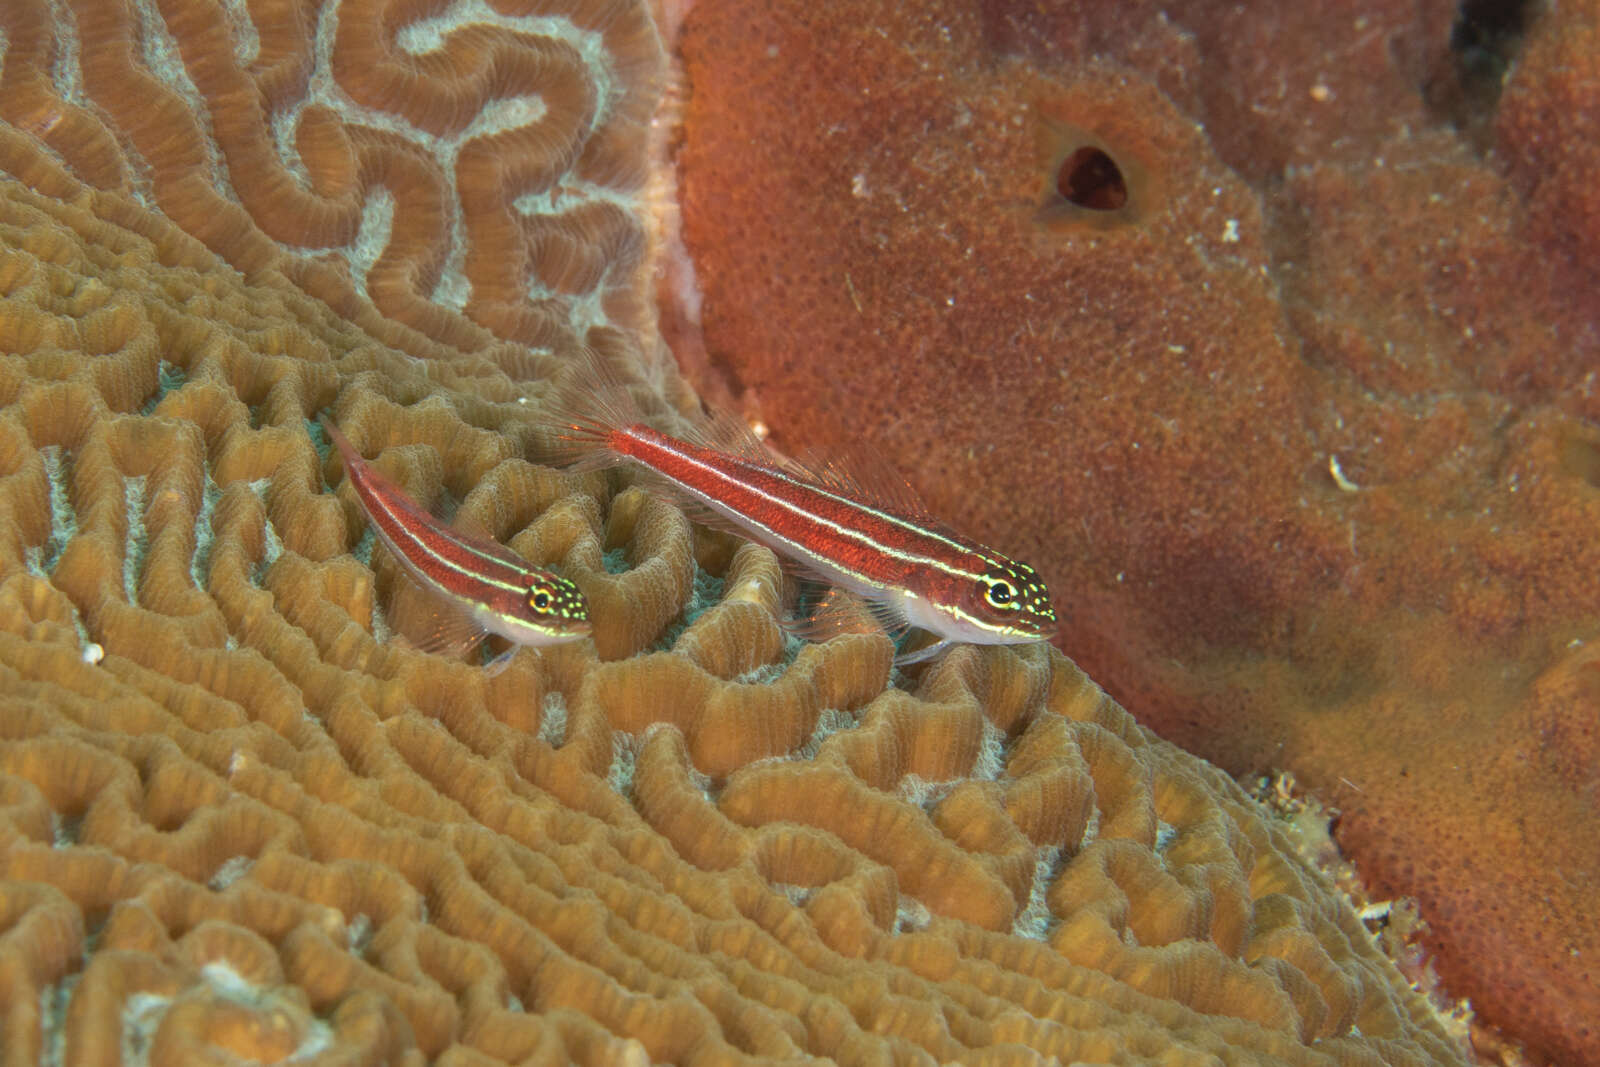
(239, 823)
(234, 821)
(1302, 424)
(444, 174)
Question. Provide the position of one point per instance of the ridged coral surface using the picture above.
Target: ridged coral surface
(1298, 414)
(447, 174)
(237, 823)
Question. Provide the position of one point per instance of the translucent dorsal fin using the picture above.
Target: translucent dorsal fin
(728, 432)
(469, 525)
(864, 475)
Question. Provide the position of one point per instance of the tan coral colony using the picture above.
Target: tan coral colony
(240, 823)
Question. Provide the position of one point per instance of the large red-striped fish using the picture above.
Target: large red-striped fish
(493, 589)
(861, 530)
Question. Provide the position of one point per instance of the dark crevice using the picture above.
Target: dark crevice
(1484, 24)
(1484, 43)
(1089, 178)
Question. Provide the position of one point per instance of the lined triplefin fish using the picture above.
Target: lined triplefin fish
(859, 528)
(494, 589)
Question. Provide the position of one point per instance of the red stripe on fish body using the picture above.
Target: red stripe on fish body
(500, 591)
(865, 545)
(471, 568)
(861, 529)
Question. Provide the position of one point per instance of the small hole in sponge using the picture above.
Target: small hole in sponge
(1088, 180)
(1091, 179)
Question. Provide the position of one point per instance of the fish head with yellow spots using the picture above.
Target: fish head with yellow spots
(546, 609)
(984, 599)
(1010, 600)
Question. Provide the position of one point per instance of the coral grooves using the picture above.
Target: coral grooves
(242, 821)
(451, 176)
(238, 822)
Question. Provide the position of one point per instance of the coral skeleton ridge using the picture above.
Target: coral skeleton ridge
(253, 828)
(239, 821)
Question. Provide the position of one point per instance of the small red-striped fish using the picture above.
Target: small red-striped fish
(862, 531)
(496, 590)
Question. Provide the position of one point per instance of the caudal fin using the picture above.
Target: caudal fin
(590, 405)
(340, 442)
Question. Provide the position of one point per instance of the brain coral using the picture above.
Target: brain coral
(236, 823)
(445, 174)
(1279, 361)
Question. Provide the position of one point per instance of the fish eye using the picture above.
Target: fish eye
(1000, 593)
(539, 599)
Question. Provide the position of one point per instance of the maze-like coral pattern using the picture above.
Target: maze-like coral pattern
(237, 821)
(446, 173)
